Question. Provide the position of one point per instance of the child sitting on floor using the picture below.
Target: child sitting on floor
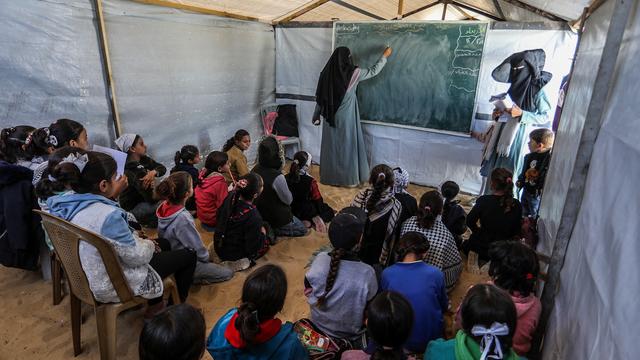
(252, 331)
(141, 172)
(422, 285)
(443, 252)
(453, 215)
(384, 212)
(212, 189)
(494, 217)
(240, 232)
(534, 170)
(390, 318)
(400, 185)
(185, 160)
(235, 148)
(175, 224)
(338, 285)
(307, 204)
(488, 325)
(514, 267)
(274, 203)
(178, 332)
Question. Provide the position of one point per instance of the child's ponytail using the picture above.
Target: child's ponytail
(334, 266)
(235, 138)
(299, 161)
(186, 153)
(429, 208)
(175, 187)
(381, 179)
(502, 180)
(248, 322)
(54, 180)
(263, 294)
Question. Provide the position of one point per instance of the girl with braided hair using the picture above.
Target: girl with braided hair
(338, 286)
(384, 212)
(494, 217)
(240, 232)
(252, 331)
(422, 285)
(444, 253)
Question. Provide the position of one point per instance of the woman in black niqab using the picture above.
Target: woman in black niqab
(333, 82)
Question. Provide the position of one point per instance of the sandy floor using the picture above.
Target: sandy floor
(31, 327)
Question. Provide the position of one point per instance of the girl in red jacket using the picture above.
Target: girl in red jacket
(212, 189)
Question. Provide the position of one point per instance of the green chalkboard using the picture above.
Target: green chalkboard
(430, 80)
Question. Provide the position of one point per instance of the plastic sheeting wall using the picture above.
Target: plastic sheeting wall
(184, 78)
(50, 66)
(571, 124)
(596, 313)
(430, 158)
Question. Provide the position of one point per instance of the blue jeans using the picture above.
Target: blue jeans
(530, 204)
(293, 229)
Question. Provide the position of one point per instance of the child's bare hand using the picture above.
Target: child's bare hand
(387, 52)
(515, 111)
(147, 180)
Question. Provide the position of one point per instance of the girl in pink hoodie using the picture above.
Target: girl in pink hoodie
(514, 268)
(212, 189)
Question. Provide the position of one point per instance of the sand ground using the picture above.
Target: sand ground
(31, 327)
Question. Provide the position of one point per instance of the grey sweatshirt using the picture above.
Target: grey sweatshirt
(180, 230)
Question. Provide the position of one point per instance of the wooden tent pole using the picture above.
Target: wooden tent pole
(496, 4)
(422, 8)
(575, 193)
(300, 11)
(400, 9)
(199, 9)
(444, 9)
(106, 61)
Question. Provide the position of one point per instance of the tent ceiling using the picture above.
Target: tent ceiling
(269, 10)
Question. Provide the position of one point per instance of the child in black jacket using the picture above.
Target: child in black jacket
(453, 215)
(141, 171)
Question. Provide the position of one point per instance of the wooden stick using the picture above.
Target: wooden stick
(300, 11)
(106, 60)
(200, 9)
(400, 9)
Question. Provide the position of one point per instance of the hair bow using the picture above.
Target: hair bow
(242, 183)
(509, 180)
(381, 176)
(80, 161)
(489, 336)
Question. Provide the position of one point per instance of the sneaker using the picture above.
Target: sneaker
(237, 265)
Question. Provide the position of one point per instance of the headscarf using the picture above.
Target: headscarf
(524, 72)
(400, 180)
(333, 82)
(125, 141)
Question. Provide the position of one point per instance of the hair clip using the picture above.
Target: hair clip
(509, 180)
(51, 178)
(242, 183)
(381, 176)
(427, 208)
(530, 276)
(80, 161)
(296, 162)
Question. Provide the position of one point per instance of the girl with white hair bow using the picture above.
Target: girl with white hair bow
(488, 325)
(308, 204)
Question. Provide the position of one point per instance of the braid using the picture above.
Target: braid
(334, 266)
(376, 195)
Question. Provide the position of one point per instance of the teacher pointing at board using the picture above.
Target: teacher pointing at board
(343, 157)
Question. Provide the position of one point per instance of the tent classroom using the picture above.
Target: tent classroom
(194, 71)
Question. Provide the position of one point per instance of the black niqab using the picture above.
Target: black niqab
(524, 72)
(333, 82)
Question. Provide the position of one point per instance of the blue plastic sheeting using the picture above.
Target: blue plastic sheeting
(50, 66)
(184, 78)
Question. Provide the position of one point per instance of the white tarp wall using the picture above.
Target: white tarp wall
(431, 158)
(185, 78)
(596, 314)
(50, 66)
(571, 124)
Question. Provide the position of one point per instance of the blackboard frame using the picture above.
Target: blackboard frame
(446, 132)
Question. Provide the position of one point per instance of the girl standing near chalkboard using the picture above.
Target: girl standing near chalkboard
(343, 155)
